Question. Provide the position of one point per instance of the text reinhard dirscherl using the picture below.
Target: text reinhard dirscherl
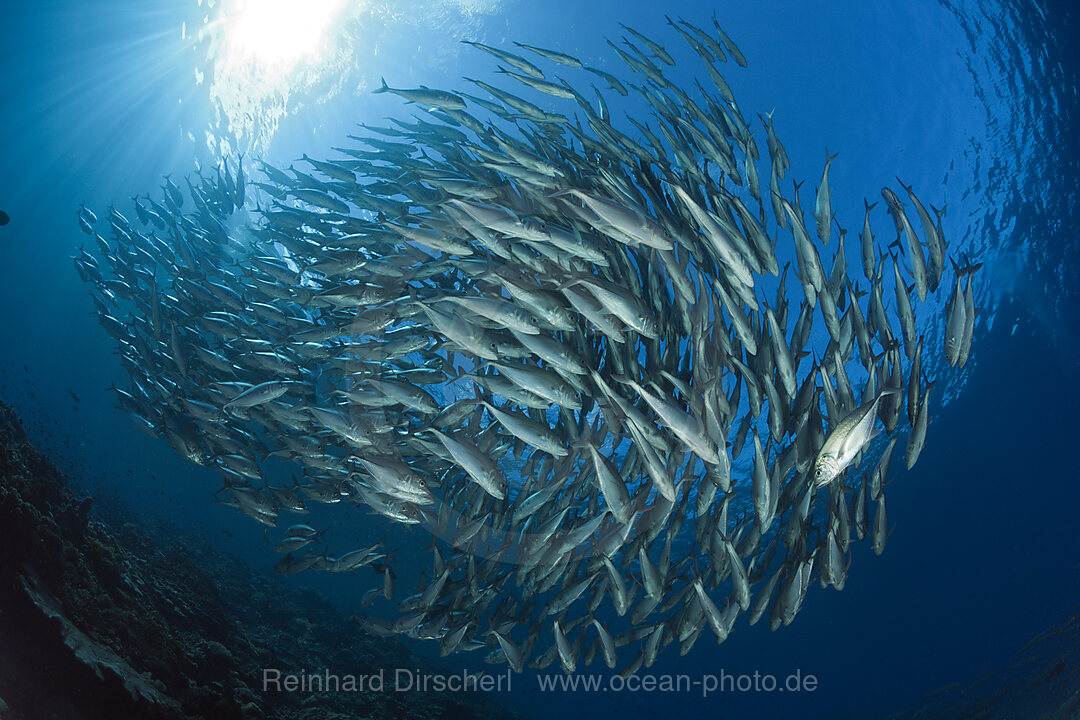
(409, 680)
(401, 680)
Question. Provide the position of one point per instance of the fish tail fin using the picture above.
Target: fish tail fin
(583, 443)
(878, 357)
(458, 372)
(968, 268)
(869, 205)
(829, 158)
(385, 87)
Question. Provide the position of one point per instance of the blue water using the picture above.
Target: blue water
(973, 103)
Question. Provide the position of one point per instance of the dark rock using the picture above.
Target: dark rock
(106, 620)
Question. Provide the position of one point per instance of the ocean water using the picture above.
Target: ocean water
(972, 103)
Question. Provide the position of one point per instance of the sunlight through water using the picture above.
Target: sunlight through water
(276, 34)
(267, 52)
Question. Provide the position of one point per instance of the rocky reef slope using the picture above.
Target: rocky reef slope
(113, 620)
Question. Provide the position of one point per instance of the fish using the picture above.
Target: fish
(613, 82)
(687, 426)
(397, 480)
(915, 258)
(536, 434)
(423, 96)
(259, 394)
(935, 243)
(512, 652)
(729, 44)
(905, 312)
(880, 532)
(823, 204)
(955, 324)
(544, 86)
(511, 59)
(527, 331)
(656, 49)
(917, 438)
(553, 55)
(478, 465)
(765, 488)
(846, 440)
(866, 241)
(330, 169)
(612, 487)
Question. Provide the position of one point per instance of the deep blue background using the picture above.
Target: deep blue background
(974, 104)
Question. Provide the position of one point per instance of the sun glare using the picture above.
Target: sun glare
(278, 34)
(269, 55)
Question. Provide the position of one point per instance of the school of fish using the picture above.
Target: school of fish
(597, 359)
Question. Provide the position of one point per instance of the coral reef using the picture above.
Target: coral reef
(107, 620)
